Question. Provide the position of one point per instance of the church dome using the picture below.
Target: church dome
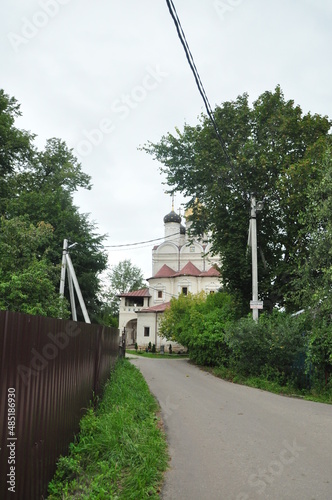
(172, 217)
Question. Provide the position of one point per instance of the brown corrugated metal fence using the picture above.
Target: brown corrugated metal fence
(50, 369)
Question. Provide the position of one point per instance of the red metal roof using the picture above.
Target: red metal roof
(188, 270)
(144, 292)
(165, 272)
(155, 309)
(211, 272)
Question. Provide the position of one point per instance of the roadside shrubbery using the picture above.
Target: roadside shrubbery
(291, 351)
(274, 347)
(121, 451)
(198, 322)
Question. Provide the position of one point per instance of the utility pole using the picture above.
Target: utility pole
(77, 288)
(63, 268)
(255, 304)
(72, 282)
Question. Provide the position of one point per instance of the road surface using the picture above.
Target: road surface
(231, 442)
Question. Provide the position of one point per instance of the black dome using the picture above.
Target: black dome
(172, 217)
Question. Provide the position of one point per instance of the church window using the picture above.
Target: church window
(160, 294)
(192, 249)
(146, 331)
(185, 290)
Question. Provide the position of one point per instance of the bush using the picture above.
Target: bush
(198, 323)
(319, 356)
(274, 347)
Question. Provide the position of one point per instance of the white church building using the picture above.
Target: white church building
(179, 265)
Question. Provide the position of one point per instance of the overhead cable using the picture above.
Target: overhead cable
(139, 242)
(199, 83)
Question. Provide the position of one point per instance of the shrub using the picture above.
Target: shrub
(198, 323)
(274, 347)
(319, 356)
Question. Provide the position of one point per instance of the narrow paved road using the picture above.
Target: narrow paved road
(231, 442)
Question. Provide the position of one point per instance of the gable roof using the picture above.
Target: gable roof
(211, 272)
(188, 270)
(144, 292)
(165, 272)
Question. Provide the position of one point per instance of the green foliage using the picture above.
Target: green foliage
(123, 277)
(39, 191)
(279, 347)
(198, 323)
(313, 279)
(319, 359)
(276, 151)
(15, 144)
(27, 278)
(32, 291)
(275, 346)
(120, 451)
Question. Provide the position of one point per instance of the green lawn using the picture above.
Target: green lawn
(121, 451)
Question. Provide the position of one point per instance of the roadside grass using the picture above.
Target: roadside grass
(156, 355)
(121, 450)
(324, 396)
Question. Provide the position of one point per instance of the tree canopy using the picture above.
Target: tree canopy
(313, 278)
(276, 152)
(38, 213)
(123, 277)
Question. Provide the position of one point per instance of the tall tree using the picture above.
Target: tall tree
(313, 278)
(39, 185)
(123, 277)
(16, 148)
(45, 192)
(26, 275)
(275, 152)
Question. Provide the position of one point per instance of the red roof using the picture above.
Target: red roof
(144, 292)
(165, 272)
(188, 270)
(155, 309)
(211, 272)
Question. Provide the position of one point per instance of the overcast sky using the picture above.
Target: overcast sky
(108, 76)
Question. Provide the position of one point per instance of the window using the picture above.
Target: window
(146, 331)
(192, 248)
(160, 294)
(134, 301)
(185, 290)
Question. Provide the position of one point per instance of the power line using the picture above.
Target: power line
(139, 242)
(198, 81)
(164, 291)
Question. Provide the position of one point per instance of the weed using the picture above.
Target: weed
(121, 452)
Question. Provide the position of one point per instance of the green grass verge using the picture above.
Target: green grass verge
(156, 355)
(121, 450)
(270, 386)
